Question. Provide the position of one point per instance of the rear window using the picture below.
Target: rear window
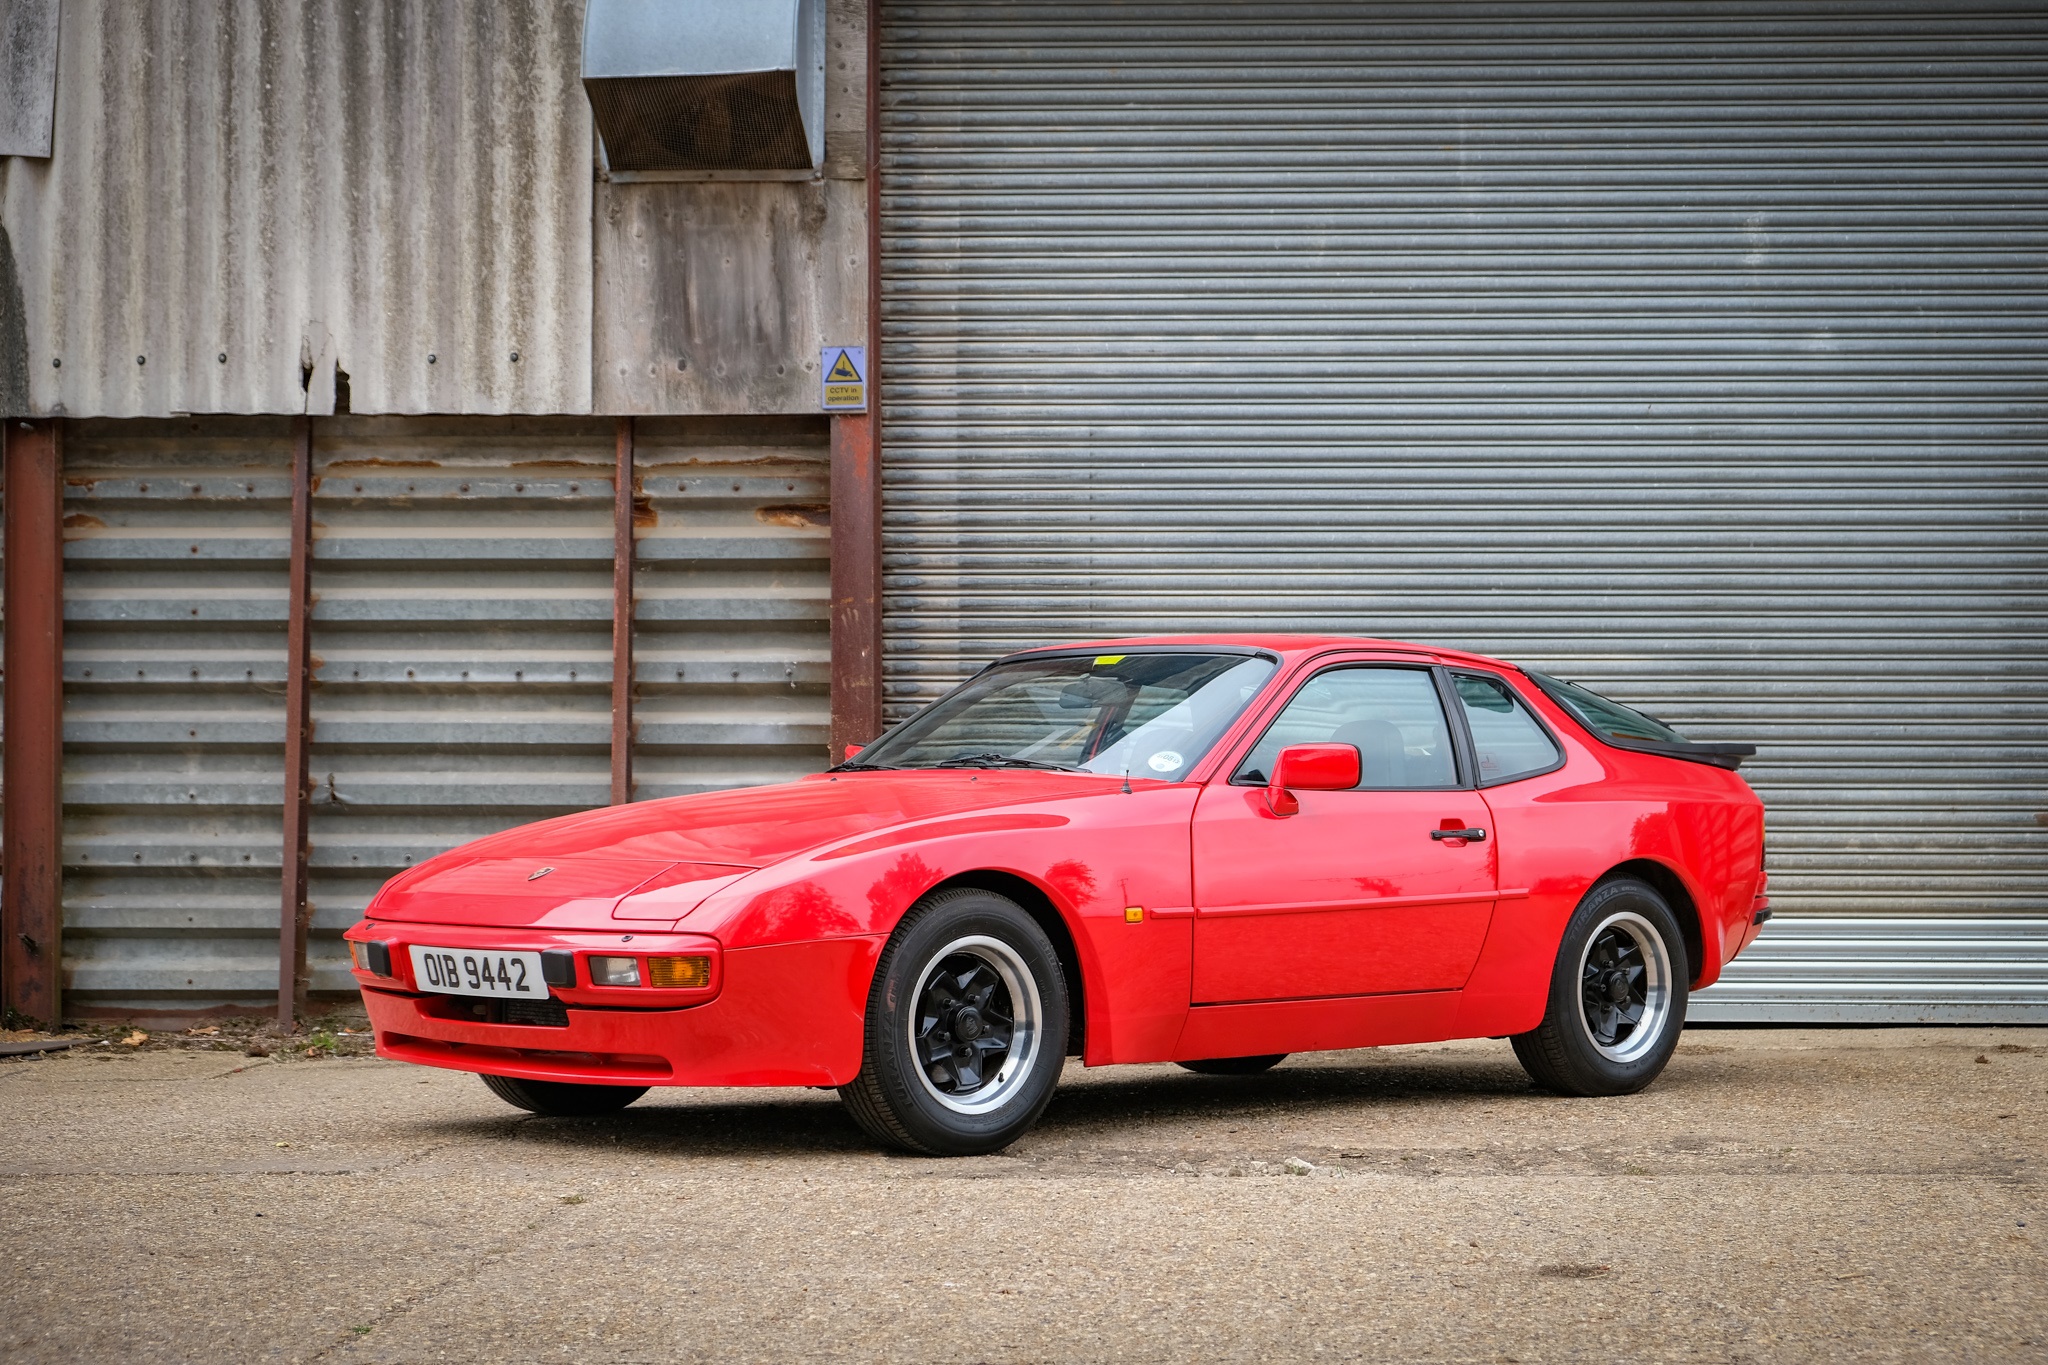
(1609, 719)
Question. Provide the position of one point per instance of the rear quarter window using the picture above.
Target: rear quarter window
(1507, 740)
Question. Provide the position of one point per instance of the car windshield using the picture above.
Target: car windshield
(1149, 715)
(1607, 718)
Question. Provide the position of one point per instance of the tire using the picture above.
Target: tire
(962, 962)
(1617, 995)
(1234, 1066)
(563, 1099)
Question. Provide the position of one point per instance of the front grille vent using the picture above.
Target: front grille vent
(548, 1013)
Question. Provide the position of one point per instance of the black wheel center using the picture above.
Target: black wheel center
(967, 1024)
(1617, 987)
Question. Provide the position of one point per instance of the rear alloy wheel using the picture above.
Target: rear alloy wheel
(1234, 1066)
(966, 1028)
(563, 1099)
(1617, 995)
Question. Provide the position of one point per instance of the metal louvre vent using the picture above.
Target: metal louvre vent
(1690, 352)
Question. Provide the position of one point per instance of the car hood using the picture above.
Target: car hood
(576, 869)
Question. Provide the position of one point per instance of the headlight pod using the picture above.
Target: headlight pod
(370, 956)
(614, 971)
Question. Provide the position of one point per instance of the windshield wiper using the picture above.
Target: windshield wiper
(995, 760)
(854, 765)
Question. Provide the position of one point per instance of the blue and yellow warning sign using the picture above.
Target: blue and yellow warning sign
(846, 379)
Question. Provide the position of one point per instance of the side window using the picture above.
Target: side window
(1506, 739)
(1392, 716)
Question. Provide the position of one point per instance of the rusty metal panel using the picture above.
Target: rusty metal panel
(175, 556)
(732, 601)
(249, 199)
(461, 643)
(717, 297)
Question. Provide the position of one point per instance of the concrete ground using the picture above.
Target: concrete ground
(1778, 1195)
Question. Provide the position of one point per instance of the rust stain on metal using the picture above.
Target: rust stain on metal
(83, 521)
(800, 514)
(644, 515)
(377, 462)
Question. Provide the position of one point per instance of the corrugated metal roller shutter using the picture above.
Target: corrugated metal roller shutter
(177, 543)
(1697, 354)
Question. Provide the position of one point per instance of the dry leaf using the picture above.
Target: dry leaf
(135, 1039)
(204, 1031)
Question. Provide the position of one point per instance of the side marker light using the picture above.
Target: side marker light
(1134, 914)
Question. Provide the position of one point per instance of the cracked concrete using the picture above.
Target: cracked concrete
(1779, 1195)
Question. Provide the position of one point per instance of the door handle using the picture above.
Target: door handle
(1472, 835)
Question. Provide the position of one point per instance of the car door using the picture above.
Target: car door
(1359, 892)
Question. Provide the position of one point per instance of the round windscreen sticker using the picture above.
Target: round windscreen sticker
(1165, 761)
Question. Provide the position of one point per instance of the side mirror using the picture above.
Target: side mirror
(1310, 768)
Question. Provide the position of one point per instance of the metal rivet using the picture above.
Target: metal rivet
(431, 357)
(222, 357)
(56, 362)
(515, 357)
(142, 360)
(682, 364)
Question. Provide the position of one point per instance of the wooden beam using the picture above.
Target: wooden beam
(32, 826)
(295, 912)
(622, 613)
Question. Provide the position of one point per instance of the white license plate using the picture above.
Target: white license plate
(478, 971)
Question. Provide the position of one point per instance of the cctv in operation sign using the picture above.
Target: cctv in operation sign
(845, 370)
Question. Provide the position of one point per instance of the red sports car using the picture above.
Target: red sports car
(1209, 850)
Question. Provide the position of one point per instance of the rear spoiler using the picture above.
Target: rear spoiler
(1718, 753)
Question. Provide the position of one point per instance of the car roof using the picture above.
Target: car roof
(1289, 647)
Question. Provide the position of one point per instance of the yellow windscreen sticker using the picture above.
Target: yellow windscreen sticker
(1101, 659)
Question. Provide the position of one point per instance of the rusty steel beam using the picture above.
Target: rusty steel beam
(32, 827)
(857, 483)
(295, 916)
(622, 613)
(856, 581)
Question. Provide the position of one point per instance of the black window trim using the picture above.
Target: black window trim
(1715, 753)
(1462, 768)
(1563, 754)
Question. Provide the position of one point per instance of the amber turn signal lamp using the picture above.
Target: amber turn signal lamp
(1134, 914)
(678, 973)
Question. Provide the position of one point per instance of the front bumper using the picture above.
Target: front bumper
(788, 1014)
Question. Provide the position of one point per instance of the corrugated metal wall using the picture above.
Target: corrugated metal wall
(177, 543)
(1693, 353)
(461, 633)
(246, 194)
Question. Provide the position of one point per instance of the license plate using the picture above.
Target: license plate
(474, 971)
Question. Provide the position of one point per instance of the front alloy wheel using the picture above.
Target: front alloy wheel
(966, 1028)
(1617, 995)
